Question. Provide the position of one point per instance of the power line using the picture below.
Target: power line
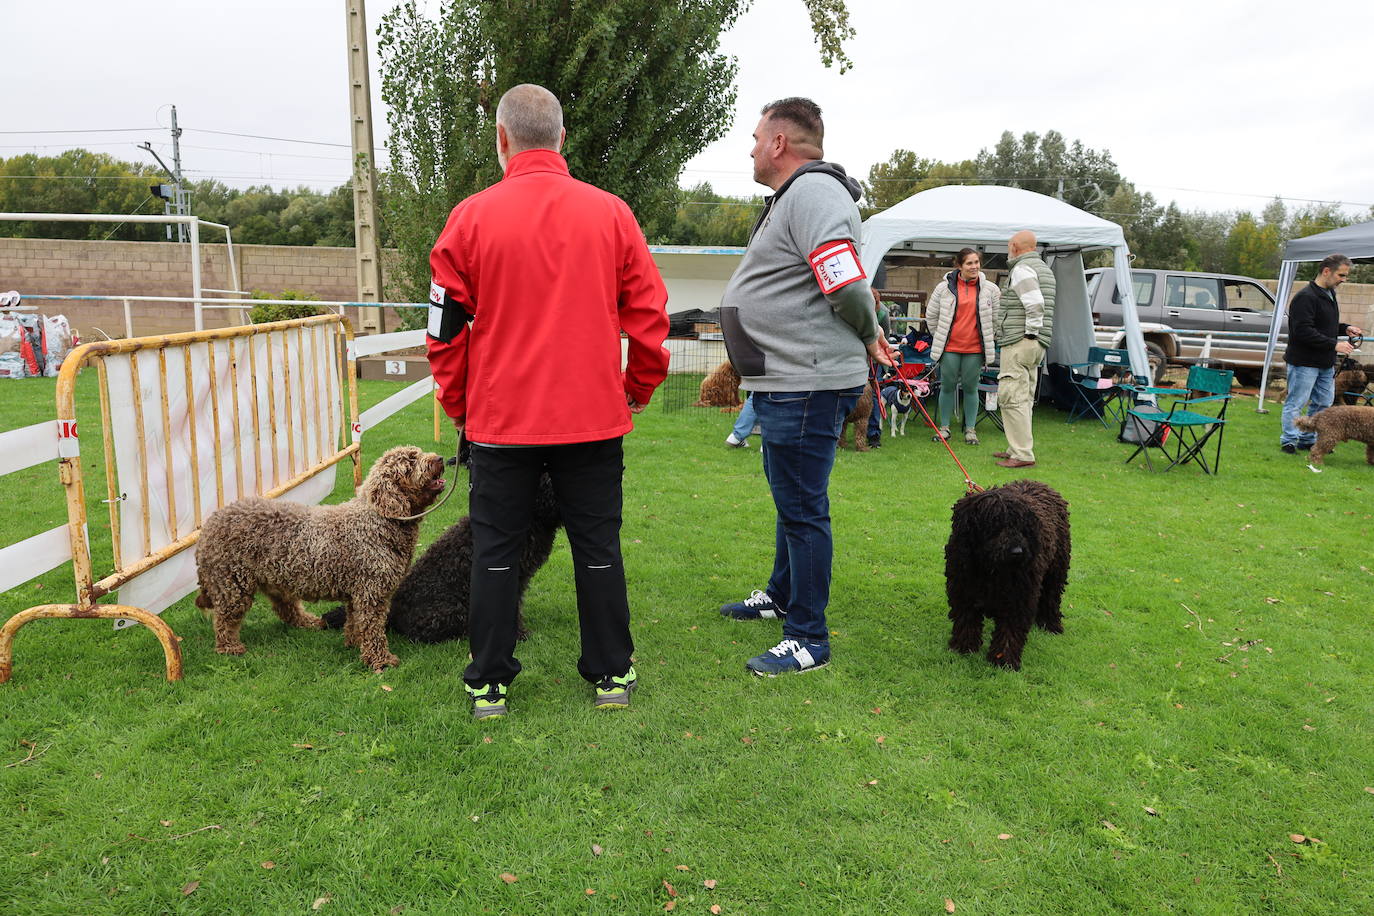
(100, 130)
(230, 133)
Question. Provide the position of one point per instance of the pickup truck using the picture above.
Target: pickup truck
(1178, 308)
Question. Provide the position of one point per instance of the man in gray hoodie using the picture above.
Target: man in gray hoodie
(799, 326)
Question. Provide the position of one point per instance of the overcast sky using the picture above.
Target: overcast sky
(1217, 104)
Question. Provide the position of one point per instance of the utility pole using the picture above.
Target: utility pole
(183, 200)
(364, 182)
(179, 198)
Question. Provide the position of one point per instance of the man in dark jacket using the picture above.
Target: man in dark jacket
(1314, 324)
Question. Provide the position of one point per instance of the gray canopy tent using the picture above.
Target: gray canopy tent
(1355, 241)
(944, 220)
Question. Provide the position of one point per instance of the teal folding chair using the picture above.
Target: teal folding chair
(1183, 431)
(1096, 384)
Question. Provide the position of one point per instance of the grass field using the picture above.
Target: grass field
(1209, 699)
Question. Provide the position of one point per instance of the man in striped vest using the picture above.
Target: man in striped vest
(1024, 328)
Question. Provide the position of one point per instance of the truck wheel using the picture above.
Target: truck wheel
(1155, 354)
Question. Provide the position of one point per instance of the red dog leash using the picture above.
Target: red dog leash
(915, 399)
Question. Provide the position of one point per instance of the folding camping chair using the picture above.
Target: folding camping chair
(1182, 432)
(1096, 384)
(987, 398)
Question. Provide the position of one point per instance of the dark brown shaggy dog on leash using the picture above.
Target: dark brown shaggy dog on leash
(1335, 425)
(720, 388)
(431, 604)
(1007, 559)
(355, 552)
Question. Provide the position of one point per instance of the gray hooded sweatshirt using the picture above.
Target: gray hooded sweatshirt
(782, 332)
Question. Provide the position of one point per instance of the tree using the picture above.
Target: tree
(642, 84)
(1156, 235)
(704, 217)
(1077, 175)
(895, 180)
(78, 181)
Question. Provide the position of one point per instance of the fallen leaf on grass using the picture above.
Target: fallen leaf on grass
(508, 877)
(596, 850)
(321, 901)
(949, 905)
(670, 905)
(396, 911)
(1271, 601)
(871, 782)
(304, 747)
(591, 891)
(1004, 836)
(165, 823)
(669, 888)
(1109, 825)
(269, 864)
(486, 739)
(715, 909)
(1297, 838)
(683, 867)
(189, 888)
(1151, 811)
(746, 740)
(387, 687)
(1369, 789)
(709, 884)
(1308, 728)
(881, 739)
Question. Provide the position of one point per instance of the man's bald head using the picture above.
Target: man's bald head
(531, 117)
(1021, 243)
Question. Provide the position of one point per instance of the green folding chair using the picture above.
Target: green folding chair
(1182, 432)
(1096, 384)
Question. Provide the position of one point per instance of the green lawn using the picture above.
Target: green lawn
(1209, 698)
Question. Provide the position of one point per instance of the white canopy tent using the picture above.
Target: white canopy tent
(1352, 241)
(984, 217)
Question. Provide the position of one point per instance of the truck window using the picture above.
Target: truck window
(1142, 285)
(1244, 296)
(1193, 293)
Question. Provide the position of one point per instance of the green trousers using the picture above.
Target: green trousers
(959, 370)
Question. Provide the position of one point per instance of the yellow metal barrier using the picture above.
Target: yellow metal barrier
(316, 347)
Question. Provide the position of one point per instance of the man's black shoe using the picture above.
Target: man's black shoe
(875, 443)
(1289, 448)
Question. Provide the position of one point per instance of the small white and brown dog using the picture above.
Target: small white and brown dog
(898, 401)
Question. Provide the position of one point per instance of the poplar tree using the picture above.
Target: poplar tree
(643, 85)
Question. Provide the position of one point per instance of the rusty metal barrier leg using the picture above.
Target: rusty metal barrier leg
(171, 642)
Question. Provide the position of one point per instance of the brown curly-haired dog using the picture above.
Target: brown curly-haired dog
(858, 418)
(1351, 381)
(1335, 425)
(355, 552)
(720, 388)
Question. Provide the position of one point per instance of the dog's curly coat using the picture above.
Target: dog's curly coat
(355, 552)
(1008, 559)
(858, 419)
(1335, 425)
(432, 602)
(1351, 380)
(720, 388)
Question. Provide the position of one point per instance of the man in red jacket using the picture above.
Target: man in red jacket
(533, 281)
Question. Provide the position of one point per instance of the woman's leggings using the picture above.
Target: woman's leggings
(959, 369)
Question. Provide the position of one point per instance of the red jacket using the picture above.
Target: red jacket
(551, 269)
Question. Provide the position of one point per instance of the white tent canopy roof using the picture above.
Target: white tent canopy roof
(950, 217)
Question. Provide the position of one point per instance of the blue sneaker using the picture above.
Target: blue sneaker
(790, 656)
(758, 606)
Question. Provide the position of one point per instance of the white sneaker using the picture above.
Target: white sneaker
(731, 441)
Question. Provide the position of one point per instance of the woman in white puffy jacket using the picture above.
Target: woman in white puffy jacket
(961, 316)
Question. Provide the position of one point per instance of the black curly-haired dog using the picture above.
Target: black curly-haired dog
(1007, 559)
(431, 603)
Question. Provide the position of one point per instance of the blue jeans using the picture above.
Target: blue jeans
(1309, 388)
(744, 426)
(800, 432)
